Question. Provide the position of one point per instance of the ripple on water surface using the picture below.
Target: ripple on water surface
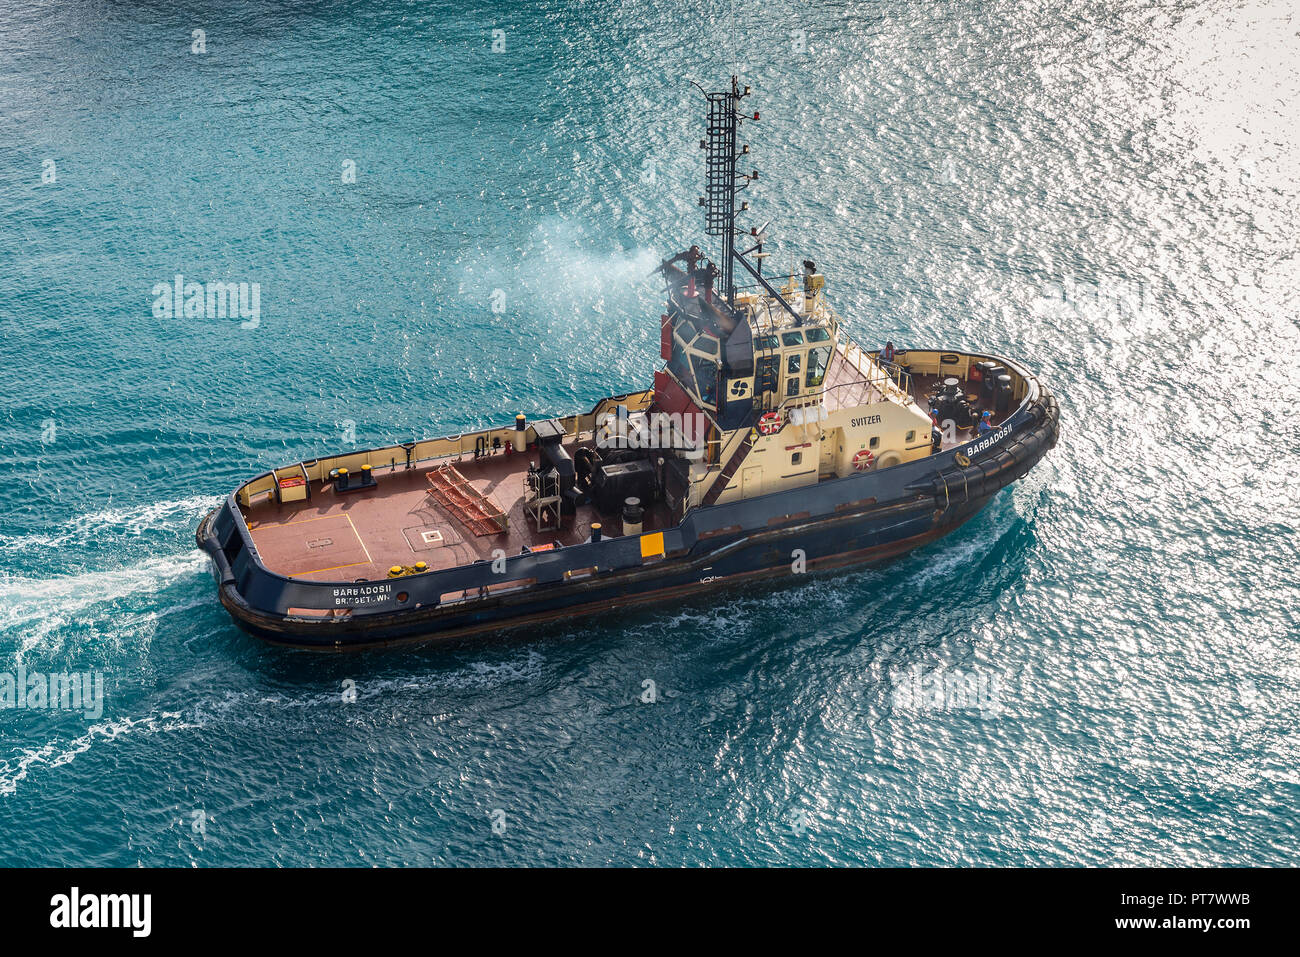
(1100, 667)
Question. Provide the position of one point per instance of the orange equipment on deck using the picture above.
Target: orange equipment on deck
(472, 508)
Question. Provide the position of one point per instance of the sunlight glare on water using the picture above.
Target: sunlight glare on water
(1106, 192)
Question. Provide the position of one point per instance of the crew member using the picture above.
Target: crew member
(887, 353)
(986, 423)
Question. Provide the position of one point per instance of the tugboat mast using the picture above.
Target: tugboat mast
(721, 184)
(721, 181)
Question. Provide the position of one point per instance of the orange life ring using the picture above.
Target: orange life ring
(864, 460)
(770, 423)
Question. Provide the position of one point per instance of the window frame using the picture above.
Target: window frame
(825, 367)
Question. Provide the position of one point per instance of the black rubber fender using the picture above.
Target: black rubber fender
(1004, 465)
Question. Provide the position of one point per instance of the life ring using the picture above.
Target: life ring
(770, 423)
(864, 460)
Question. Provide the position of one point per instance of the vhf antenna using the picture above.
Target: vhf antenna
(721, 181)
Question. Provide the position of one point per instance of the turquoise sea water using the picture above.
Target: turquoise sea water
(1106, 191)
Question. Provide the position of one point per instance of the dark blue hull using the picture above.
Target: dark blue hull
(780, 553)
(860, 518)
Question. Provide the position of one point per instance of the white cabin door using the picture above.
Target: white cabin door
(831, 440)
(751, 481)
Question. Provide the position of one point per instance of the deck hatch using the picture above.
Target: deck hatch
(425, 538)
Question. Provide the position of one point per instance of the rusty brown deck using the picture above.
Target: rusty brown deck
(358, 536)
(355, 536)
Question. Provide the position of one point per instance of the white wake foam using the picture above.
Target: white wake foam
(114, 523)
(34, 609)
(53, 754)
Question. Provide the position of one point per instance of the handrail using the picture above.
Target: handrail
(768, 286)
(410, 454)
(875, 372)
(863, 389)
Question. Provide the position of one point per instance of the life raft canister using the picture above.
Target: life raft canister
(770, 423)
(864, 460)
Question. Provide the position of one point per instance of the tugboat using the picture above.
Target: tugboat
(770, 445)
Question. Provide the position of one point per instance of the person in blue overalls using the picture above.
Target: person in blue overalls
(986, 423)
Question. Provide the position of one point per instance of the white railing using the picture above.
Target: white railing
(870, 369)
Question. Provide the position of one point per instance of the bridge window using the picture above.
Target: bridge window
(680, 366)
(817, 359)
(817, 335)
(792, 338)
(792, 386)
(706, 380)
(792, 362)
